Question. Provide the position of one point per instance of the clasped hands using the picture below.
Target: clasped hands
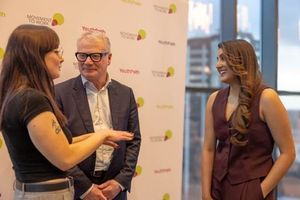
(106, 191)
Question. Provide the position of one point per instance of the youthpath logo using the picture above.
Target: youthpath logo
(93, 29)
(165, 106)
(133, 2)
(166, 42)
(129, 71)
(161, 171)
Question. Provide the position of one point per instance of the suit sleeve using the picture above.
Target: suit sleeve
(132, 147)
(81, 182)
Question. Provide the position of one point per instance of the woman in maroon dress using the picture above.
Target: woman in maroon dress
(243, 122)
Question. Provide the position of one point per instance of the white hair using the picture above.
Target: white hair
(95, 36)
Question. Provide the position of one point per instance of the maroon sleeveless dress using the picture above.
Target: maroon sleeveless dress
(238, 171)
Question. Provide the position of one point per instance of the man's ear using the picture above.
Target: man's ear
(109, 58)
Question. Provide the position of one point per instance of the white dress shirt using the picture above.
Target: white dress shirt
(100, 110)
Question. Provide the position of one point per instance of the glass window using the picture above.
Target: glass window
(201, 75)
(288, 188)
(287, 80)
(203, 37)
(202, 78)
(248, 23)
(289, 45)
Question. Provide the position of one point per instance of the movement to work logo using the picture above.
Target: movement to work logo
(169, 73)
(140, 102)
(162, 138)
(168, 135)
(138, 171)
(166, 196)
(2, 14)
(1, 53)
(55, 20)
(133, 2)
(141, 35)
(167, 10)
(172, 8)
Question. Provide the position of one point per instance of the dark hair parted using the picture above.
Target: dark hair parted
(23, 65)
(241, 59)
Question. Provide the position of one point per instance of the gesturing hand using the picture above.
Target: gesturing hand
(113, 136)
(118, 135)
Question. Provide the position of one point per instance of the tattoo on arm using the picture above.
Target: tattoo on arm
(56, 126)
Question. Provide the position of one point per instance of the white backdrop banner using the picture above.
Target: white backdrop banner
(149, 49)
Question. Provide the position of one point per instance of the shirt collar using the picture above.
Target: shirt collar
(88, 84)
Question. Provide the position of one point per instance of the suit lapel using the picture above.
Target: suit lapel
(114, 104)
(80, 97)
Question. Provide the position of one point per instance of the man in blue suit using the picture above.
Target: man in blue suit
(94, 101)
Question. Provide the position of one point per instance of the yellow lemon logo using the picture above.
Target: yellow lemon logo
(57, 19)
(141, 34)
(1, 53)
(172, 8)
(171, 71)
(168, 135)
(140, 102)
(138, 170)
(166, 197)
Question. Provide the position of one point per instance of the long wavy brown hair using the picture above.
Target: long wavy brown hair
(23, 65)
(241, 59)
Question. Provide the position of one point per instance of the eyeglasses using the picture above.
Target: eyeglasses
(59, 51)
(95, 57)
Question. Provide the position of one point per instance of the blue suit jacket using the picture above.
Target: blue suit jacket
(72, 100)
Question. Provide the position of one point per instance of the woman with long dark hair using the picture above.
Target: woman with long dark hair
(39, 145)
